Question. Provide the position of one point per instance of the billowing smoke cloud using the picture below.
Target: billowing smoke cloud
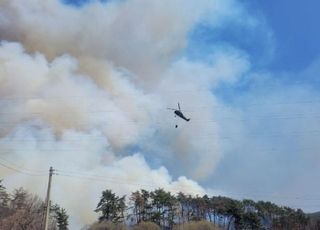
(272, 134)
(86, 90)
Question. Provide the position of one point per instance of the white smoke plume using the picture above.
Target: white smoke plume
(85, 90)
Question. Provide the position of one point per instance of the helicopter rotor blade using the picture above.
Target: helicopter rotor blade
(171, 109)
(179, 106)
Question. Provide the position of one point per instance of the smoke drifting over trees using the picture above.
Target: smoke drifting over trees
(85, 89)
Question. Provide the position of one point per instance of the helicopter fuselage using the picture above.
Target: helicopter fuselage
(180, 114)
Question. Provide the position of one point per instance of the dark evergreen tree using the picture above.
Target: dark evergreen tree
(62, 219)
(164, 207)
(4, 201)
(184, 207)
(4, 196)
(111, 207)
(250, 221)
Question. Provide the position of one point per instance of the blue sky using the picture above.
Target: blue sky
(296, 30)
(79, 2)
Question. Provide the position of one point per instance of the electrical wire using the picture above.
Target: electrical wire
(217, 120)
(113, 180)
(195, 108)
(221, 138)
(123, 182)
(21, 170)
(110, 94)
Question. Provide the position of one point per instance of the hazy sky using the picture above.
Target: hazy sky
(84, 87)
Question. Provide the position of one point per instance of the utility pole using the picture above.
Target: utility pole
(46, 220)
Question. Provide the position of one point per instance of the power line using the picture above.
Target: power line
(251, 148)
(243, 105)
(217, 120)
(126, 182)
(101, 149)
(270, 195)
(218, 137)
(81, 175)
(103, 179)
(111, 94)
(113, 180)
(19, 170)
(107, 95)
(24, 169)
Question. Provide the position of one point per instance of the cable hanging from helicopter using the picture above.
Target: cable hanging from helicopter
(179, 113)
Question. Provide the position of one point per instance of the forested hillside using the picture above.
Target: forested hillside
(181, 211)
(154, 210)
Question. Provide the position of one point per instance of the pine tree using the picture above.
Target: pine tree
(62, 219)
(4, 201)
(111, 207)
(4, 197)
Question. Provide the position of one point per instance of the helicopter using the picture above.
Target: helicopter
(178, 113)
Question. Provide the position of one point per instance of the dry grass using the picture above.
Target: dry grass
(146, 226)
(107, 226)
(196, 225)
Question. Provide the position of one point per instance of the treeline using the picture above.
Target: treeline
(155, 210)
(24, 211)
(169, 211)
